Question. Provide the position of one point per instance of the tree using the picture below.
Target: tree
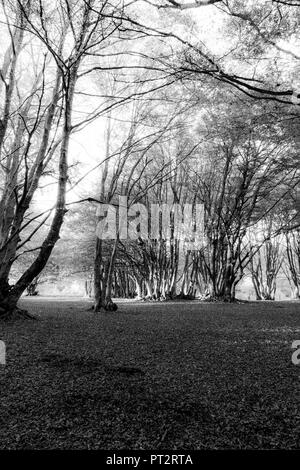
(125, 169)
(81, 39)
(248, 169)
(252, 29)
(292, 264)
(36, 123)
(266, 263)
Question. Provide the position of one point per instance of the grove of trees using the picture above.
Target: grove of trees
(177, 119)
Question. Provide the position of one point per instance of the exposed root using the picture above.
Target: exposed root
(17, 314)
(108, 306)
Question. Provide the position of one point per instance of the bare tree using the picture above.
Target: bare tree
(68, 33)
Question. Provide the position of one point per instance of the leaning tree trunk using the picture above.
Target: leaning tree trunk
(10, 295)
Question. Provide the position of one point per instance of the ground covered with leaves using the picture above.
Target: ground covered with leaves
(178, 375)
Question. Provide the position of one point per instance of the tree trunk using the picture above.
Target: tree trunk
(10, 298)
(103, 280)
(108, 303)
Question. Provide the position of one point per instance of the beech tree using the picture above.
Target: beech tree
(36, 121)
(81, 39)
(248, 169)
(132, 170)
(266, 261)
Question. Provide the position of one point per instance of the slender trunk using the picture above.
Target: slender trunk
(108, 303)
(98, 276)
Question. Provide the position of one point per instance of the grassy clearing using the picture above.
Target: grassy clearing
(151, 376)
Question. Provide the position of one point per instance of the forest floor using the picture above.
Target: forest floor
(178, 375)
